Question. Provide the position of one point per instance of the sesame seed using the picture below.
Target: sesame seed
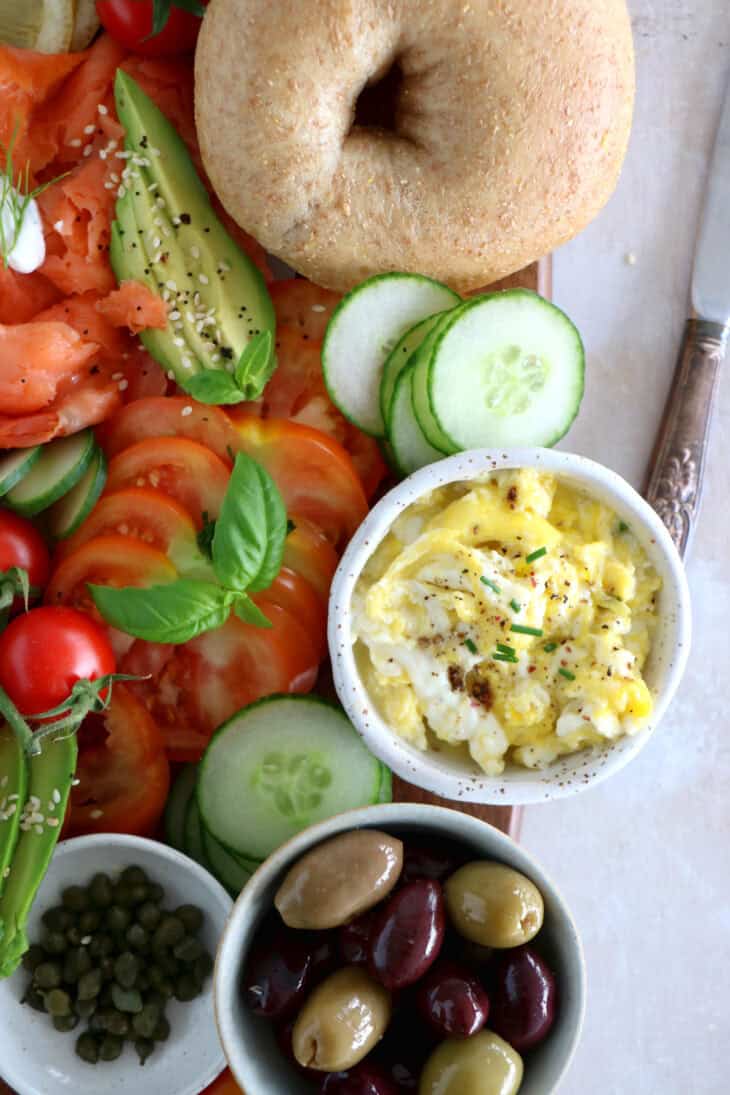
(102, 109)
(178, 342)
(122, 155)
(186, 411)
(89, 128)
(52, 822)
(121, 192)
(171, 284)
(88, 150)
(123, 385)
(108, 185)
(170, 374)
(318, 308)
(75, 143)
(103, 154)
(195, 252)
(114, 177)
(75, 782)
(96, 814)
(113, 143)
(203, 279)
(156, 241)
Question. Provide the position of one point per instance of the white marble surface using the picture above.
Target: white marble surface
(644, 860)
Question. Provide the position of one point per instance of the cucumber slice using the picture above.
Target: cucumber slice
(364, 328)
(410, 448)
(14, 465)
(506, 370)
(193, 834)
(58, 469)
(421, 398)
(176, 808)
(280, 765)
(70, 512)
(231, 871)
(386, 784)
(397, 360)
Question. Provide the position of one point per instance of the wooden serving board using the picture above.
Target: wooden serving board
(507, 818)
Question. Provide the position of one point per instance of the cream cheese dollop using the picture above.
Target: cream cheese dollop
(29, 249)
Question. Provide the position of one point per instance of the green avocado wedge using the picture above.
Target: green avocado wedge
(50, 774)
(168, 236)
(13, 787)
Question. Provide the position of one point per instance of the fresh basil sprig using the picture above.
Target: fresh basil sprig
(253, 371)
(161, 12)
(247, 549)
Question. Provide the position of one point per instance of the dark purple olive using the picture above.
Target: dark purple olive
(452, 1001)
(354, 940)
(367, 1078)
(524, 998)
(407, 1045)
(407, 934)
(283, 1035)
(435, 859)
(278, 973)
(324, 955)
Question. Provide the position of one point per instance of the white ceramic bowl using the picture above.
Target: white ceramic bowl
(462, 779)
(36, 1060)
(253, 1056)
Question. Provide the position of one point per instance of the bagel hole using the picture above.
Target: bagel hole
(377, 104)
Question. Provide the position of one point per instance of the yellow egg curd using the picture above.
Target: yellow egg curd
(510, 616)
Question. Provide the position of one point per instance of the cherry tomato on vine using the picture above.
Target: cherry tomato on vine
(130, 22)
(21, 546)
(45, 651)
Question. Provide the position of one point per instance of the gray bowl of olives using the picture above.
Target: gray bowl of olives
(400, 947)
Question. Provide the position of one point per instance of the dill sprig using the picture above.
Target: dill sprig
(16, 197)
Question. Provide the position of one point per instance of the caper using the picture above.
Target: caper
(110, 1047)
(144, 1048)
(162, 1031)
(77, 963)
(101, 946)
(100, 890)
(138, 893)
(85, 1008)
(126, 969)
(118, 919)
(123, 895)
(118, 1023)
(34, 999)
(186, 988)
(54, 942)
(191, 916)
(48, 975)
(188, 949)
(203, 967)
(149, 915)
(65, 1023)
(128, 1000)
(87, 1048)
(75, 898)
(58, 1002)
(145, 1022)
(169, 932)
(57, 919)
(74, 935)
(156, 892)
(89, 985)
(89, 921)
(33, 957)
(137, 937)
(133, 876)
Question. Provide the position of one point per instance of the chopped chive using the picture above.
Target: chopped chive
(533, 556)
(492, 585)
(549, 647)
(522, 630)
(470, 645)
(505, 658)
(504, 649)
(623, 527)
(515, 605)
(567, 674)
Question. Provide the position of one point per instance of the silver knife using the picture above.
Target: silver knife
(674, 486)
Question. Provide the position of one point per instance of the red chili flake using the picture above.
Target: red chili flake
(531, 668)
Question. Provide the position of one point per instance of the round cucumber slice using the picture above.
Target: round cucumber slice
(193, 833)
(231, 872)
(70, 512)
(506, 370)
(280, 765)
(397, 360)
(411, 450)
(15, 465)
(176, 808)
(58, 469)
(364, 328)
(421, 396)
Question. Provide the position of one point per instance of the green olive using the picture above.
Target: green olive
(341, 1021)
(494, 905)
(340, 879)
(481, 1065)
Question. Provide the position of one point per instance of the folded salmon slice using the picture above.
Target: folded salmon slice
(37, 359)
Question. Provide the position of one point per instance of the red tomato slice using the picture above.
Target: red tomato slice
(300, 304)
(123, 773)
(315, 475)
(294, 593)
(186, 470)
(193, 688)
(109, 561)
(308, 552)
(163, 416)
(144, 514)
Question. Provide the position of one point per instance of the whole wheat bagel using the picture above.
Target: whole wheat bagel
(490, 132)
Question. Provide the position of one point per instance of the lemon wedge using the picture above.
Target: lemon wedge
(86, 24)
(43, 25)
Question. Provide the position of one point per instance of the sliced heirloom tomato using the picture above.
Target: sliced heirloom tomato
(191, 689)
(300, 304)
(123, 773)
(292, 592)
(186, 470)
(314, 474)
(308, 552)
(147, 515)
(168, 416)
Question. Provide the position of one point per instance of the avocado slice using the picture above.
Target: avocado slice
(13, 786)
(50, 774)
(217, 298)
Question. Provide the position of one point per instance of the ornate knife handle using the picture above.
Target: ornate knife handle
(674, 487)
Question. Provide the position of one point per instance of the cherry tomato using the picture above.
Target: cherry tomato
(22, 546)
(130, 23)
(123, 773)
(44, 652)
(186, 470)
(163, 417)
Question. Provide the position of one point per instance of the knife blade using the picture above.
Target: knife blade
(677, 469)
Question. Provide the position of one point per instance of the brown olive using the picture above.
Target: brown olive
(494, 905)
(341, 1021)
(481, 1065)
(340, 879)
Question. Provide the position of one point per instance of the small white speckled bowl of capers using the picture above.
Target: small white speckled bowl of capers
(400, 947)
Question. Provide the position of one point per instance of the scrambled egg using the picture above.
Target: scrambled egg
(510, 616)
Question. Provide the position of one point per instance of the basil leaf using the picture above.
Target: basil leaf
(160, 15)
(213, 386)
(255, 365)
(172, 613)
(248, 611)
(248, 542)
(193, 6)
